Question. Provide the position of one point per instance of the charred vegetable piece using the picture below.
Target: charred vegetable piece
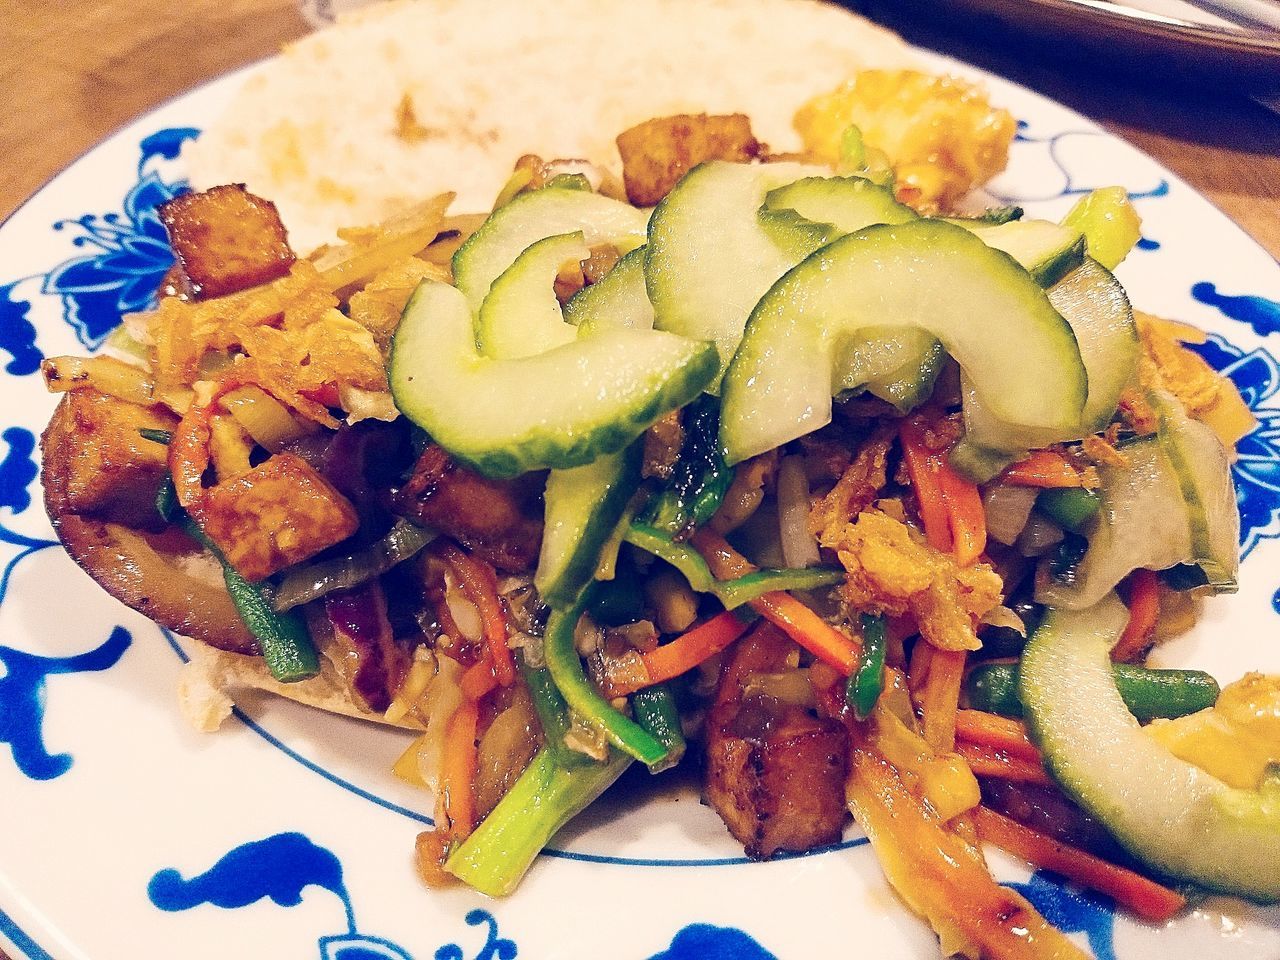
(497, 519)
(775, 771)
(226, 239)
(658, 153)
(304, 584)
(700, 477)
(1149, 694)
(279, 513)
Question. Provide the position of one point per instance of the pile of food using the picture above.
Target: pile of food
(772, 463)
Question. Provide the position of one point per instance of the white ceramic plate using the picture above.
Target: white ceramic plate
(125, 834)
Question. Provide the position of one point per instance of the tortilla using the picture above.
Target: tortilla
(411, 98)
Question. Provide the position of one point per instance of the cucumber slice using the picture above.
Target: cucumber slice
(1093, 302)
(521, 316)
(1046, 250)
(986, 310)
(1109, 223)
(897, 364)
(617, 299)
(817, 210)
(708, 258)
(1170, 814)
(1172, 504)
(510, 230)
(560, 409)
(582, 508)
(1203, 471)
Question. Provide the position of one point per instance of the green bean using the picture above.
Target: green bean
(286, 646)
(553, 712)
(1149, 694)
(656, 711)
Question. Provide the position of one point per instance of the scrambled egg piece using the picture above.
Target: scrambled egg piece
(891, 571)
(941, 134)
(1207, 395)
(1236, 739)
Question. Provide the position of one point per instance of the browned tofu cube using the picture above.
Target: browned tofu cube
(276, 515)
(501, 520)
(226, 240)
(775, 771)
(658, 152)
(111, 472)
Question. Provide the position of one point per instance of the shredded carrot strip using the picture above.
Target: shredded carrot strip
(458, 769)
(950, 505)
(1003, 734)
(809, 630)
(780, 608)
(478, 680)
(1142, 896)
(985, 761)
(935, 677)
(480, 584)
(692, 647)
(1043, 468)
(924, 481)
(1144, 608)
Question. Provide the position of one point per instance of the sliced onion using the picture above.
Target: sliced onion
(1038, 536)
(305, 584)
(799, 547)
(1008, 508)
(264, 418)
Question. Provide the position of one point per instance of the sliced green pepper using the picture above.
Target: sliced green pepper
(866, 683)
(581, 695)
(700, 478)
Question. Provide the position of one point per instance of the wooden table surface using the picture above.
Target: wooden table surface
(72, 71)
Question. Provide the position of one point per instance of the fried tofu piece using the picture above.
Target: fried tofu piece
(278, 514)
(501, 520)
(658, 152)
(226, 240)
(775, 772)
(112, 472)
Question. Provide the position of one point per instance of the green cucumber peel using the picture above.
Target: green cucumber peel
(989, 314)
(1178, 819)
(530, 217)
(558, 409)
